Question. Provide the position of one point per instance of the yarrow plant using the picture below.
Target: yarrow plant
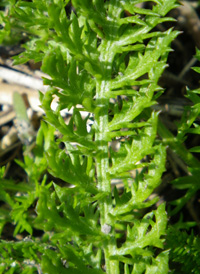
(103, 59)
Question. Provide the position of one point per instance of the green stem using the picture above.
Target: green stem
(102, 157)
(102, 160)
(102, 164)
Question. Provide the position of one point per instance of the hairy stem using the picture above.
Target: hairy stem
(102, 159)
(102, 163)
